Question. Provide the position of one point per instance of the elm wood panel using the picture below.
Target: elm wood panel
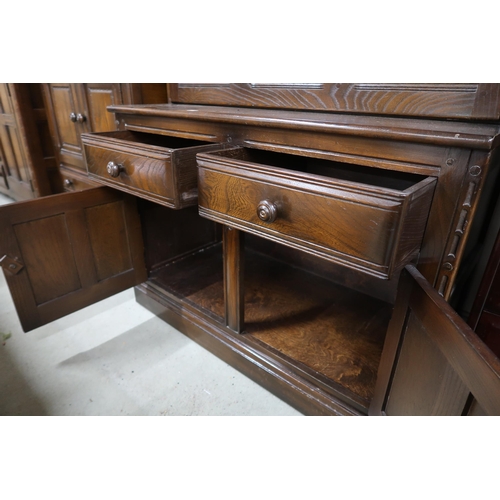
(424, 383)
(426, 332)
(141, 174)
(62, 101)
(234, 271)
(478, 101)
(359, 225)
(311, 222)
(98, 97)
(42, 243)
(213, 119)
(111, 254)
(267, 371)
(46, 265)
(334, 334)
(160, 168)
(334, 331)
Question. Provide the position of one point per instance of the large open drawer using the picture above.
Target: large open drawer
(367, 219)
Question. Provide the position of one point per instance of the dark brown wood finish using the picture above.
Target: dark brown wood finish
(432, 358)
(64, 104)
(332, 198)
(63, 252)
(158, 168)
(28, 166)
(455, 100)
(234, 269)
(369, 222)
(78, 108)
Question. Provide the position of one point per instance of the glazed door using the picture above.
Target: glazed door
(64, 252)
(432, 361)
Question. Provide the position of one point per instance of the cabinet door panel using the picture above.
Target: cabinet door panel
(63, 107)
(99, 96)
(67, 251)
(432, 359)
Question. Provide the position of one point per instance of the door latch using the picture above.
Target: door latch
(10, 265)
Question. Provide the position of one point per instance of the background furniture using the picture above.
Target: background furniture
(26, 152)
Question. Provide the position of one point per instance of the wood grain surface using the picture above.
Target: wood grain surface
(367, 220)
(331, 330)
(455, 100)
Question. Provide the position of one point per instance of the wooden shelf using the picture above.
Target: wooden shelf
(326, 331)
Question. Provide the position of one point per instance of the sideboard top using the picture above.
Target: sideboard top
(450, 133)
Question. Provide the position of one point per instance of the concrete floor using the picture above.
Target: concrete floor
(117, 358)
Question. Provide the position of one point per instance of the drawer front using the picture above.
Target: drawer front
(166, 175)
(375, 232)
(72, 183)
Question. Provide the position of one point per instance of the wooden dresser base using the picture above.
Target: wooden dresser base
(316, 345)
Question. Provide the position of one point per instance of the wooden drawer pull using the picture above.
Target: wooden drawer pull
(114, 169)
(267, 211)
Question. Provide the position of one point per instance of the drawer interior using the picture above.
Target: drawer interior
(376, 177)
(162, 141)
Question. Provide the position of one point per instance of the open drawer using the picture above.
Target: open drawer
(155, 167)
(368, 219)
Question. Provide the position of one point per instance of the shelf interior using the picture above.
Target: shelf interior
(331, 332)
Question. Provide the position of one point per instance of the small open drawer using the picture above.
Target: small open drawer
(365, 218)
(156, 167)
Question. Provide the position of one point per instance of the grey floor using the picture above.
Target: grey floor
(117, 358)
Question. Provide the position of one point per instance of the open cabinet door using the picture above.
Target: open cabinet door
(64, 252)
(432, 361)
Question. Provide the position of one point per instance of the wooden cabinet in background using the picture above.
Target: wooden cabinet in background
(76, 108)
(26, 154)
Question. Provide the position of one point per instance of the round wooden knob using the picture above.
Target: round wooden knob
(114, 169)
(80, 118)
(267, 211)
(72, 117)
